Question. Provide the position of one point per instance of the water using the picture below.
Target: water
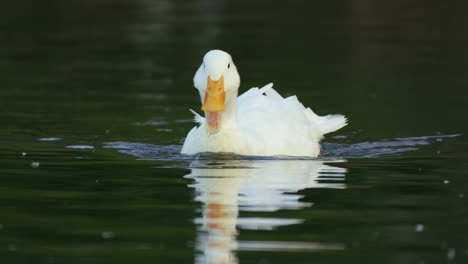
(94, 108)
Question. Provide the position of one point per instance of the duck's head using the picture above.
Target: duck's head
(218, 82)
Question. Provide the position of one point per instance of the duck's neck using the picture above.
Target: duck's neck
(229, 118)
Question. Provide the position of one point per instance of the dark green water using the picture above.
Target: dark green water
(111, 81)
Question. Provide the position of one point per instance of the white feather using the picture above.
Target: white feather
(197, 118)
(331, 123)
(266, 88)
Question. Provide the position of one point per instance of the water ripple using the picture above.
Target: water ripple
(330, 151)
(227, 185)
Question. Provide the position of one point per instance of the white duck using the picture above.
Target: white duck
(259, 122)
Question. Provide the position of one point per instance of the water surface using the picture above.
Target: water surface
(94, 109)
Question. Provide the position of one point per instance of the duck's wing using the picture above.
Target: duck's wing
(282, 126)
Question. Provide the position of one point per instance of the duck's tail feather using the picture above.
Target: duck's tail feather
(332, 123)
(197, 118)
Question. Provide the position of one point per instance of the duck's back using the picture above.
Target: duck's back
(274, 125)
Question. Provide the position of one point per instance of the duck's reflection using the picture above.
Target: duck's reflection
(226, 186)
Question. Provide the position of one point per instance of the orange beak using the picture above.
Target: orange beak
(214, 96)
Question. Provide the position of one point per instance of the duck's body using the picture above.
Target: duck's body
(259, 122)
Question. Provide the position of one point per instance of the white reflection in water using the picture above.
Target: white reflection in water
(225, 187)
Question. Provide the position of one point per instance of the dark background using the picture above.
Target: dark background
(92, 72)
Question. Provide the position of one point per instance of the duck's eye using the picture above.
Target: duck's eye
(229, 65)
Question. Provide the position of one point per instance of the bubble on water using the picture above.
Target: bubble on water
(438, 152)
(107, 235)
(439, 139)
(446, 181)
(24, 154)
(80, 147)
(35, 164)
(49, 139)
(419, 227)
(12, 247)
(451, 254)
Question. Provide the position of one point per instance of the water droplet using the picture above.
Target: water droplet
(107, 235)
(35, 164)
(439, 140)
(419, 228)
(24, 154)
(451, 254)
(446, 181)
